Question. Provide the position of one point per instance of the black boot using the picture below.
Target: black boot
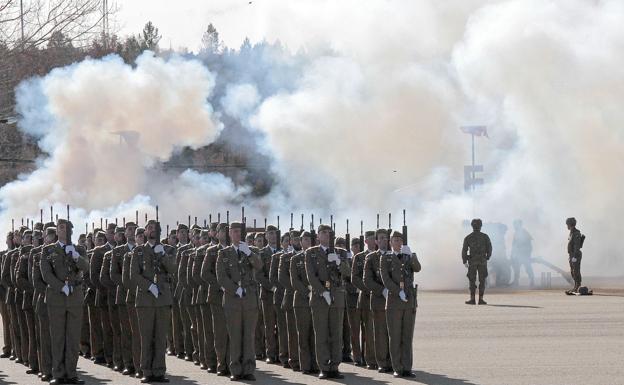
(481, 301)
(472, 298)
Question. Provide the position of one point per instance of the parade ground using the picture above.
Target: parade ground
(519, 338)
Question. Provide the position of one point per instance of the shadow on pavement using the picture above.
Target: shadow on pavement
(517, 306)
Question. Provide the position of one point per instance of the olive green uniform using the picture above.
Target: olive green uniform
(363, 312)
(101, 300)
(184, 300)
(131, 290)
(24, 284)
(303, 313)
(574, 251)
(4, 311)
(397, 273)
(266, 299)
(113, 308)
(327, 319)
(148, 267)
(41, 310)
(283, 277)
(476, 251)
(116, 276)
(280, 313)
(65, 311)
(236, 270)
(375, 286)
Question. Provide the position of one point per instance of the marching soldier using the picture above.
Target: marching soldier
(326, 269)
(62, 266)
(378, 295)
(101, 293)
(278, 298)
(354, 314)
(397, 274)
(235, 273)
(4, 309)
(301, 305)
(283, 277)
(575, 243)
(151, 265)
(116, 275)
(266, 295)
(41, 310)
(476, 253)
(139, 238)
(111, 289)
(208, 356)
(24, 284)
(215, 313)
(364, 300)
(180, 297)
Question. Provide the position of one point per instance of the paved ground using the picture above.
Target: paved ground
(532, 338)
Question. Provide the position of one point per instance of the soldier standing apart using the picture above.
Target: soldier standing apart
(575, 243)
(62, 267)
(235, 273)
(326, 270)
(397, 274)
(151, 265)
(476, 252)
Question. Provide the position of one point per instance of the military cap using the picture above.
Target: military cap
(37, 233)
(97, 230)
(50, 231)
(22, 229)
(213, 226)
(49, 224)
(151, 222)
(38, 226)
(27, 232)
(130, 224)
(111, 226)
(182, 226)
(196, 226)
(259, 235)
(100, 234)
(295, 233)
(323, 227)
(164, 241)
(173, 232)
(120, 229)
(205, 233)
(197, 230)
(381, 231)
(222, 226)
(306, 234)
(285, 236)
(369, 233)
(340, 241)
(236, 225)
(571, 221)
(476, 223)
(271, 228)
(81, 236)
(355, 241)
(139, 230)
(396, 234)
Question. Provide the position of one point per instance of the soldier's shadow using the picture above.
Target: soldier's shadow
(515, 306)
(3, 380)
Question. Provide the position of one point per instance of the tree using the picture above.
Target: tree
(150, 38)
(210, 40)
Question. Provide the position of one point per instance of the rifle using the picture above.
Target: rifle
(116, 222)
(348, 237)
(196, 221)
(312, 232)
(279, 235)
(228, 241)
(51, 214)
(41, 215)
(227, 217)
(210, 218)
(28, 223)
(302, 223)
(361, 236)
(244, 229)
(101, 223)
(124, 221)
(12, 225)
(291, 222)
(22, 221)
(69, 229)
(145, 219)
(389, 230)
(204, 223)
(219, 217)
(189, 222)
(265, 224)
(404, 229)
(106, 220)
(137, 217)
(332, 241)
(377, 221)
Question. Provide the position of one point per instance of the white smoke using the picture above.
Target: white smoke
(370, 124)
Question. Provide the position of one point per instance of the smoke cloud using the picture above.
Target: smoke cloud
(364, 119)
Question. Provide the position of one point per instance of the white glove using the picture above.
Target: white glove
(406, 250)
(573, 260)
(66, 290)
(274, 289)
(349, 255)
(290, 249)
(402, 296)
(70, 249)
(239, 292)
(466, 264)
(154, 290)
(309, 295)
(244, 248)
(385, 293)
(159, 249)
(327, 297)
(333, 257)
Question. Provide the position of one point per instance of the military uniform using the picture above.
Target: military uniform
(397, 274)
(363, 311)
(183, 300)
(113, 309)
(95, 319)
(303, 314)
(574, 252)
(101, 300)
(280, 313)
(327, 319)
(41, 310)
(131, 290)
(59, 271)
(151, 265)
(4, 312)
(24, 284)
(235, 271)
(121, 293)
(376, 288)
(213, 313)
(351, 344)
(205, 338)
(268, 308)
(283, 277)
(476, 251)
